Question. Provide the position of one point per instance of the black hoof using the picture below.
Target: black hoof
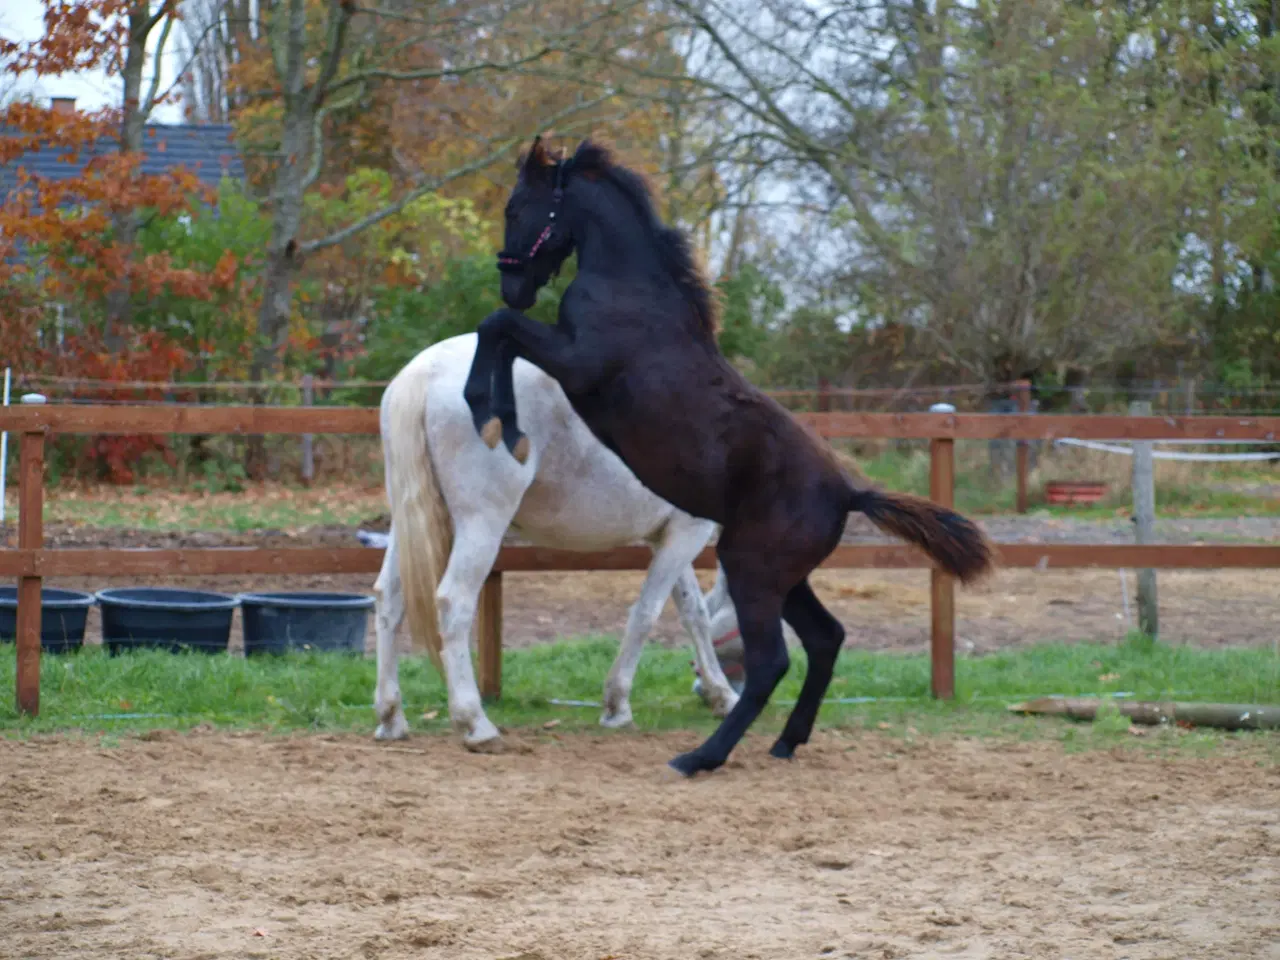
(783, 751)
(688, 764)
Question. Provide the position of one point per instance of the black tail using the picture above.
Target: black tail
(953, 542)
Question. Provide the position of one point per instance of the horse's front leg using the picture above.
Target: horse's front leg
(504, 402)
(478, 390)
(504, 336)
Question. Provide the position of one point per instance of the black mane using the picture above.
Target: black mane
(674, 249)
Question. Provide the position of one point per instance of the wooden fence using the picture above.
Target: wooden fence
(31, 561)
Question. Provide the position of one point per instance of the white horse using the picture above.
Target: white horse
(452, 500)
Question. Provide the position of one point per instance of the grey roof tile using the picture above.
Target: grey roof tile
(205, 149)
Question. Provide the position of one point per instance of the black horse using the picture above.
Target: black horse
(635, 351)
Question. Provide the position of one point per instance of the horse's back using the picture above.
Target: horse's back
(572, 493)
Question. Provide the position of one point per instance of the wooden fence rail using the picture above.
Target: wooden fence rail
(31, 562)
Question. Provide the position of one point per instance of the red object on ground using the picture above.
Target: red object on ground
(1075, 491)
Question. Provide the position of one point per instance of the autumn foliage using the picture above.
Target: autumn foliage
(69, 243)
(70, 224)
(151, 357)
(80, 229)
(370, 200)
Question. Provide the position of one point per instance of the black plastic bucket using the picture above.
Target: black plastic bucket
(62, 617)
(165, 618)
(279, 622)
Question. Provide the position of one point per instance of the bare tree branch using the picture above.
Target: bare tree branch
(435, 183)
(339, 20)
(150, 100)
(167, 9)
(317, 134)
(193, 53)
(438, 73)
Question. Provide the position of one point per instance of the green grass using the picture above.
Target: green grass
(267, 507)
(238, 517)
(92, 692)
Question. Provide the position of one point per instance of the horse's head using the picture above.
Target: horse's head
(536, 240)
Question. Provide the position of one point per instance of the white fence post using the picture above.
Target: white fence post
(1144, 515)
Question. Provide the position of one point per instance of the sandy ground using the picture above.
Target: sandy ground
(881, 609)
(209, 845)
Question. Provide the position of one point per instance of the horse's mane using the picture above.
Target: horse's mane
(677, 254)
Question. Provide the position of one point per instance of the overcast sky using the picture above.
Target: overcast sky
(24, 20)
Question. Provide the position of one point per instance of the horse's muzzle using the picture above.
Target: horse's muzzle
(519, 292)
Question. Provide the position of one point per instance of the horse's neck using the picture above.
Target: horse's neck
(613, 242)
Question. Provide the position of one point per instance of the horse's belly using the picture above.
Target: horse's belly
(582, 497)
(576, 513)
(671, 462)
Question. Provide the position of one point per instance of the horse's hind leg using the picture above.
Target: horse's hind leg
(475, 548)
(759, 606)
(716, 688)
(822, 637)
(718, 595)
(680, 543)
(388, 615)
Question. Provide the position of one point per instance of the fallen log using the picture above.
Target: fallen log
(1223, 716)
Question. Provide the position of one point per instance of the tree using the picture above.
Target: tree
(85, 227)
(216, 38)
(1026, 183)
(431, 95)
(326, 67)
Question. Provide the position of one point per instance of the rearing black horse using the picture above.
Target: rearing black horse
(635, 351)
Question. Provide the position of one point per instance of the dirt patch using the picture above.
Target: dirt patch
(213, 845)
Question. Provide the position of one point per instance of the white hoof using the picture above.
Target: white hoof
(395, 728)
(483, 736)
(618, 718)
(721, 705)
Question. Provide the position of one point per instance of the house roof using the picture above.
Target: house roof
(204, 149)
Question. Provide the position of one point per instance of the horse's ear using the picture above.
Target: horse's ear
(537, 160)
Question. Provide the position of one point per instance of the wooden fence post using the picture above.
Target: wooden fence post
(1023, 389)
(942, 588)
(30, 537)
(824, 395)
(489, 642)
(1144, 515)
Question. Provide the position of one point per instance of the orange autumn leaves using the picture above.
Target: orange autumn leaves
(67, 225)
(77, 35)
(58, 234)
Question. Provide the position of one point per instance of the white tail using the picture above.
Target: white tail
(419, 515)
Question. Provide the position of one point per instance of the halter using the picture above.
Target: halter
(510, 263)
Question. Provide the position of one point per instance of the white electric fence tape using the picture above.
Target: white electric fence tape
(1169, 455)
